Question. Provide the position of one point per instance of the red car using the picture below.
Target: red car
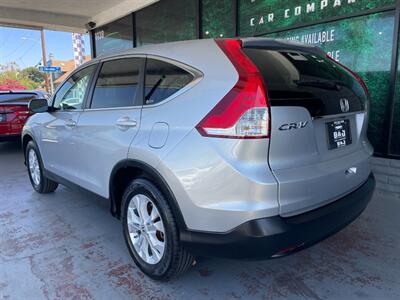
(14, 111)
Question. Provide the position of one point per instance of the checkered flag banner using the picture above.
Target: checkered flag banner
(79, 49)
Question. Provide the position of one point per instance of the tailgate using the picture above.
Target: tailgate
(319, 151)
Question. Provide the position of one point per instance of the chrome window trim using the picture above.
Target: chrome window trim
(198, 76)
(112, 108)
(124, 56)
(68, 111)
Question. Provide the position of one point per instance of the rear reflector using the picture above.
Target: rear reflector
(243, 113)
(288, 250)
(352, 73)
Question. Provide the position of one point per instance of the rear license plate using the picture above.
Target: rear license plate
(339, 134)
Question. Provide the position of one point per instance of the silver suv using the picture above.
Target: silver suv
(236, 148)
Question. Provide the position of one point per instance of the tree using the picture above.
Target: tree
(33, 74)
(16, 80)
(11, 84)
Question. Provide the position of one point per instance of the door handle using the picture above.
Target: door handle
(126, 122)
(70, 123)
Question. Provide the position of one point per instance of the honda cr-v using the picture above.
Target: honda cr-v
(237, 148)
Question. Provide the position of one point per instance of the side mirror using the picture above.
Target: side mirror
(38, 106)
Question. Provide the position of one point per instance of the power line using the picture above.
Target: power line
(17, 48)
(6, 39)
(23, 63)
(29, 49)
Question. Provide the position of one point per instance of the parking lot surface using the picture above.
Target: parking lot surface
(66, 245)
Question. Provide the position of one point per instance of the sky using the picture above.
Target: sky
(23, 46)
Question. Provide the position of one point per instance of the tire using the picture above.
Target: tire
(174, 260)
(41, 183)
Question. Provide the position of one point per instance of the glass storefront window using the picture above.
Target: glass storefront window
(167, 21)
(261, 16)
(117, 35)
(218, 18)
(395, 141)
(363, 44)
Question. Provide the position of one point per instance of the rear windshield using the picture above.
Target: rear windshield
(11, 98)
(295, 78)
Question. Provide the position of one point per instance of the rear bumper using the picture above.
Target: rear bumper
(277, 236)
(10, 137)
(10, 130)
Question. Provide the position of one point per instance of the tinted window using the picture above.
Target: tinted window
(163, 80)
(263, 16)
(364, 44)
(303, 79)
(167, 21)
(115, 36)
(117, 84)
(72, 93)
(395, 142)
(217, 19)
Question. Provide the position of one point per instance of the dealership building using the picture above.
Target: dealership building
(362, 34)
(66, 245)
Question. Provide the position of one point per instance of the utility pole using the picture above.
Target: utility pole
(51, 84)
(44, 57)
(51, 75)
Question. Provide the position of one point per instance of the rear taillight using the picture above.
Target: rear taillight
(19, 111)
(243, 113)
(352, 73)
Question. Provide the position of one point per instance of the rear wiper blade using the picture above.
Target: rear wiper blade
(331, 85)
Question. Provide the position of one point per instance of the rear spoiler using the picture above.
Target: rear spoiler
(280, 44)
(21, 99)
(14, 103)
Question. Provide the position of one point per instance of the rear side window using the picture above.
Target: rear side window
(117, 84)
(163, 80)
(295, 78)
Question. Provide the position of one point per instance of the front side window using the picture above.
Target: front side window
(72, 93)
(117, 84)
(163, 80)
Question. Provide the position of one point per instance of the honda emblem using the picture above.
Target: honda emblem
(344, 105)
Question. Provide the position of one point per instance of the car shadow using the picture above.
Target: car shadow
(10, 147)
(70, 236)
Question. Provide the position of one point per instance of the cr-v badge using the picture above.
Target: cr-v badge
(291, 126)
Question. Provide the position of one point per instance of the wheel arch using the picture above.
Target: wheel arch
(25, 140)
(129, 169)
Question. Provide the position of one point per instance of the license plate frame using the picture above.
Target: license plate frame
(339, 134)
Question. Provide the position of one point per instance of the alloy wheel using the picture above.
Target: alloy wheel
(34, 167)
(146, 229)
